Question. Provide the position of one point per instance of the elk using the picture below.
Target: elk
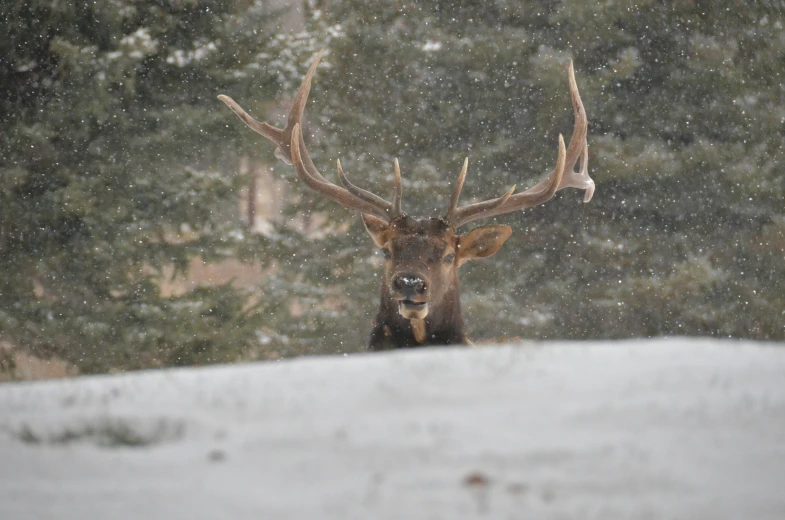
(420, 300)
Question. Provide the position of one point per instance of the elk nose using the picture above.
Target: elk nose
(409, 285)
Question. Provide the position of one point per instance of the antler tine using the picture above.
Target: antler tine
(268, 131)
(301, 98)
(363, 194)
(478, 210)
(290, 147)
(282, 137)
(578, 148)
(507, 203)
(456, 192)
(581, 125)
(562, 176)
(393, 209)
(328, 189)
(398, 195)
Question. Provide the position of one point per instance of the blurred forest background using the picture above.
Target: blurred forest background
(143, 225)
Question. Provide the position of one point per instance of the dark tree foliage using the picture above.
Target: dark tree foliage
(117, 161)
(113, 167)
(686, 233)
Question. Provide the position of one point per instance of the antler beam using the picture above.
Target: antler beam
(562, 176)
(290, 147)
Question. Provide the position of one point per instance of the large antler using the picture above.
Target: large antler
(562, 176)
(291, 149)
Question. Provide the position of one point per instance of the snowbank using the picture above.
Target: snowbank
(687, 429)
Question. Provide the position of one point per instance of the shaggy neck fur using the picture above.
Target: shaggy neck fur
(443, 325)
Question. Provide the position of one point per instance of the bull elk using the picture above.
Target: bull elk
(420, 301)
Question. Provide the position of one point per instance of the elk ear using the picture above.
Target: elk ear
(481, 242)
(377, 228)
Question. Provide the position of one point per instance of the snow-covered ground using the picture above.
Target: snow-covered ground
(665, 429)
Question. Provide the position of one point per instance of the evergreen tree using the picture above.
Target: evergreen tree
(114, 166)
(117, 161)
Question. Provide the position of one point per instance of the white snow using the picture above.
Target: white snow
(664, 429)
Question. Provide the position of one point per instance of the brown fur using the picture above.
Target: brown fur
(430, 251)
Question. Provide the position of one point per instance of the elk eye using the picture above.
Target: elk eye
(387, 254)
(449, 258)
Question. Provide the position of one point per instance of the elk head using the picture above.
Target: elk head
(420, 302)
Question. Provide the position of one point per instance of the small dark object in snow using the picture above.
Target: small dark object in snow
(516, 488)
(476, 479)
(216, 456)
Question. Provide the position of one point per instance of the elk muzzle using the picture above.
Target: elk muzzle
(411, 290)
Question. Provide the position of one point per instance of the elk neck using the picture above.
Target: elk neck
(443, 325)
